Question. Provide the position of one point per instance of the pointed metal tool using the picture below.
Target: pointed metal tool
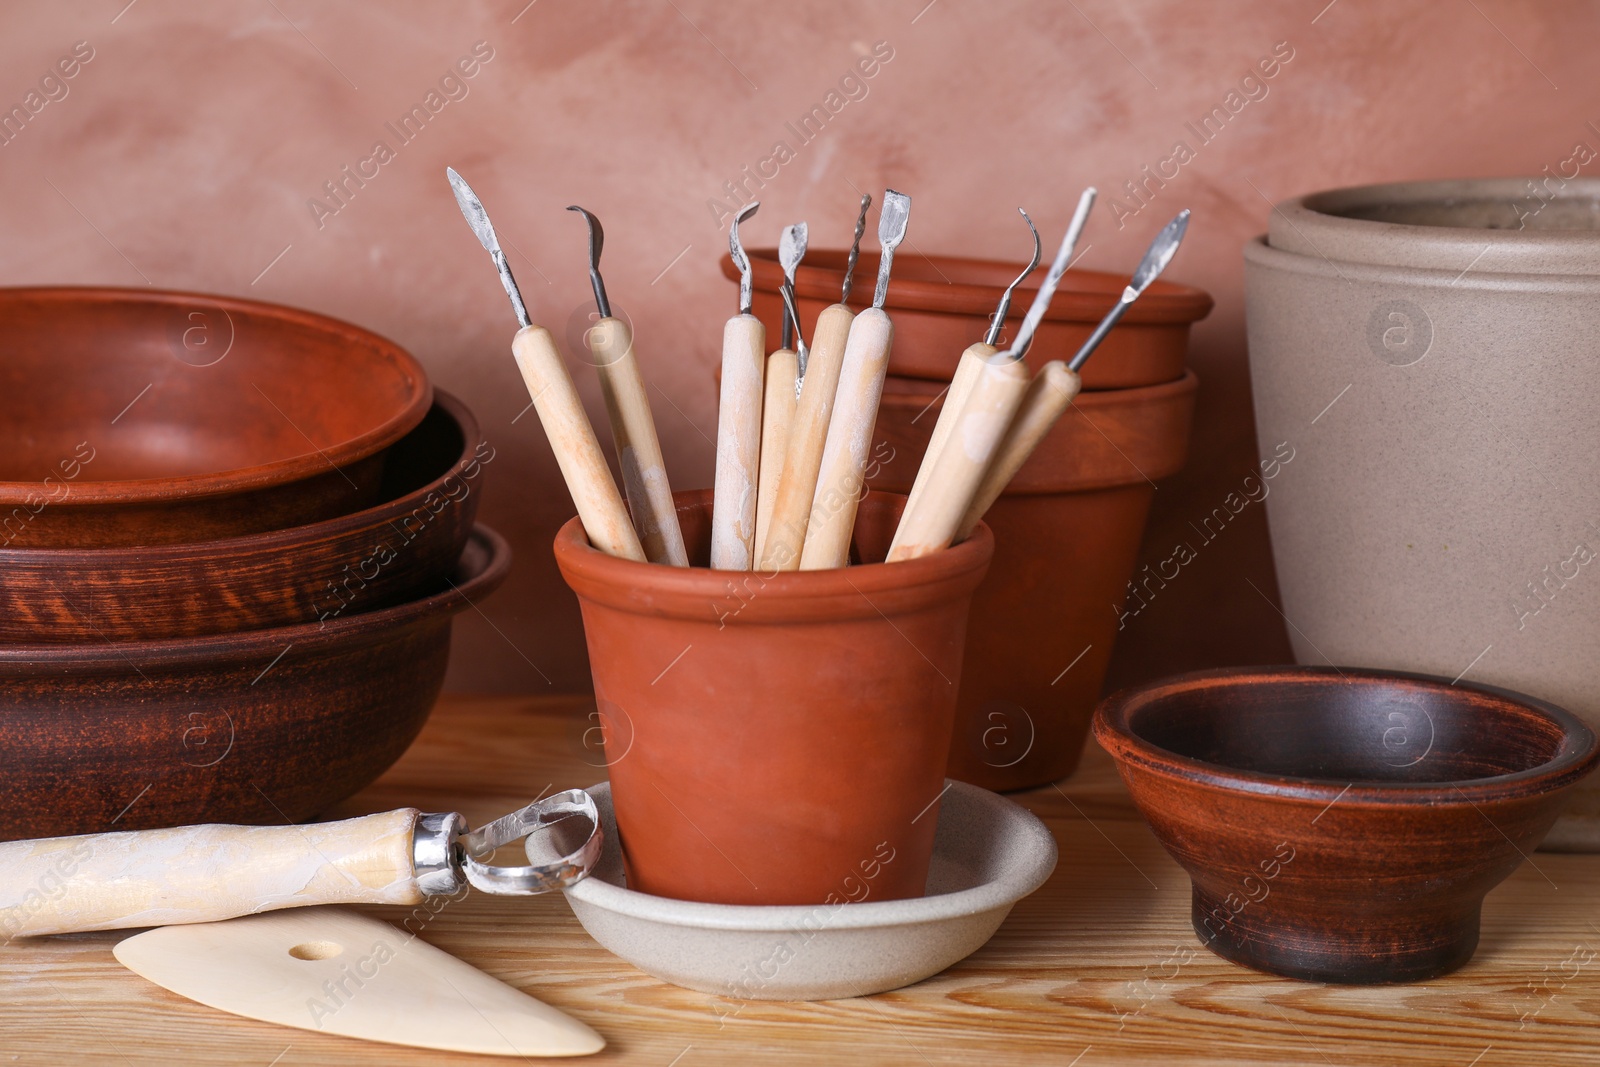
(744, 360)
(1003, 308)
(782, 386)
(791, 250)
(478, 219)
(1058, 267)
(892, 220)
(597, 242)
(855, 249)
(1155, 260)
(741, 262)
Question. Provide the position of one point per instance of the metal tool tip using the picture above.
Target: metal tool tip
(740, 260)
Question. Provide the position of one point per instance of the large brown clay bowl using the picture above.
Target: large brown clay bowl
(1343, 825)
(267, 726)
(137, 417)
(362, 561)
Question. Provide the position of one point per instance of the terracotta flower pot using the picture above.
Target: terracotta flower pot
(1436, 376)
(942, 304)
(776, 738)
(1067, 532)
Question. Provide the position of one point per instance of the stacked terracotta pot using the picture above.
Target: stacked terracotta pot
(232, 536)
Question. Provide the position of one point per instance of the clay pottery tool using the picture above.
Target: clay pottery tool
(988, 853)
(266, 725)
(140, 417)
(364, 561)
(572, 438)
(633, 430)
(819, 386)
(841, 476)
(981, 406)
(803, 789)
(744, 348)
(782, 390)
(1343, 825)
(200, 874)
(338, 972)
(1055, 384)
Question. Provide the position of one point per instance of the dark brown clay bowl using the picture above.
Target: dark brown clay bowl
(1342, 825)
(267, 726)
(139, 417)
(362, 561)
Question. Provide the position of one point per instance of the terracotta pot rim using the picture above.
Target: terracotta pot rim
(347, 631)
(221, 483)
(1258, 251)
(1163, 302)
(230, 547)
(1577, 756)
(685, 592)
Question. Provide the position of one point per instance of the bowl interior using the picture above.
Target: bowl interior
(168, 386)
(424, 455)
(1354, 730)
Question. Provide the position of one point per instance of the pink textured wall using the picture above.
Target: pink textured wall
(188, 151)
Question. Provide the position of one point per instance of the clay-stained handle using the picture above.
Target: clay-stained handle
(844, 457)
(194, 874)
(644, 471)
(955, 398)
(777, 416)
(808, 434)
(605, 518)
(931, 517)
(1048, 397)
(733, 508)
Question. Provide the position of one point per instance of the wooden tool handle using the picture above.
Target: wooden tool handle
(955, 398)
(791, 510)
(1048, 396)
(644, 471)
(933, 514)
(844, 457)
(193, 874)
(605, 518)
(777, 416)
(733, 507)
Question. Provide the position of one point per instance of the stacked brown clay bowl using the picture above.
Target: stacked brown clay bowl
(232, 540)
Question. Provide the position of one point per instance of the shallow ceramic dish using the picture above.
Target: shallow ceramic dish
(266, 726)
(1342, 825)
(140, 417)
(363, 561)
(988, 854)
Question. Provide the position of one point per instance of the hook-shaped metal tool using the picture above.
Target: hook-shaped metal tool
(1004, 307)
(1155, 260)
(597, 241)
(892, 220)
(472, 210)
(855, 249)
(1058, 267)
(740, 260)
(791, 250)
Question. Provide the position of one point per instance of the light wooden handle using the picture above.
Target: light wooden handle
(808, 434)
(194, 874)
(733, 507)
(1048, 397)
(955, 398)
(934, 513)
(844, 457)
(644, 471)
(605, 518)
(777, 416)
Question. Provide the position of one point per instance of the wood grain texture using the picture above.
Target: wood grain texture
(1101, 959)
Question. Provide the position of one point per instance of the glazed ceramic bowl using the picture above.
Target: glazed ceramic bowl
(138, 417)
(942, 304)
(1342, 825)
(265, 726)
(988, 854)
(363, 561)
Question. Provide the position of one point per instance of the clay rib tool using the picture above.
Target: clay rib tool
(600, 507)
(855, 407)
(819, 385)
(644, 471)
(967, 371)
(782, 386)
(1054, 387)
(744, 348)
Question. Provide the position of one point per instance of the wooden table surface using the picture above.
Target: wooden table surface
(1098, 967)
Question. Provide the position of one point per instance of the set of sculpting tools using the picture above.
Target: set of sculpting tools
(795, 427)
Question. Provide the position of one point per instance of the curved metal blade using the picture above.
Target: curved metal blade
(597, 241)
(1058, 267)
(477, 218)
(740, 260)
(1160, 252)
(855, 249)
(1003, 308)
(892, 219)
(791, 250)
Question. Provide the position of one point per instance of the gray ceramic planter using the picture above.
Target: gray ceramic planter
(1436, 373)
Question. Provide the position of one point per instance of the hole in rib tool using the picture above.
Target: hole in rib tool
(808, 433)
(744, 349)
(633, 429)
(855, 407)
(605, 518)
(784, 368)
